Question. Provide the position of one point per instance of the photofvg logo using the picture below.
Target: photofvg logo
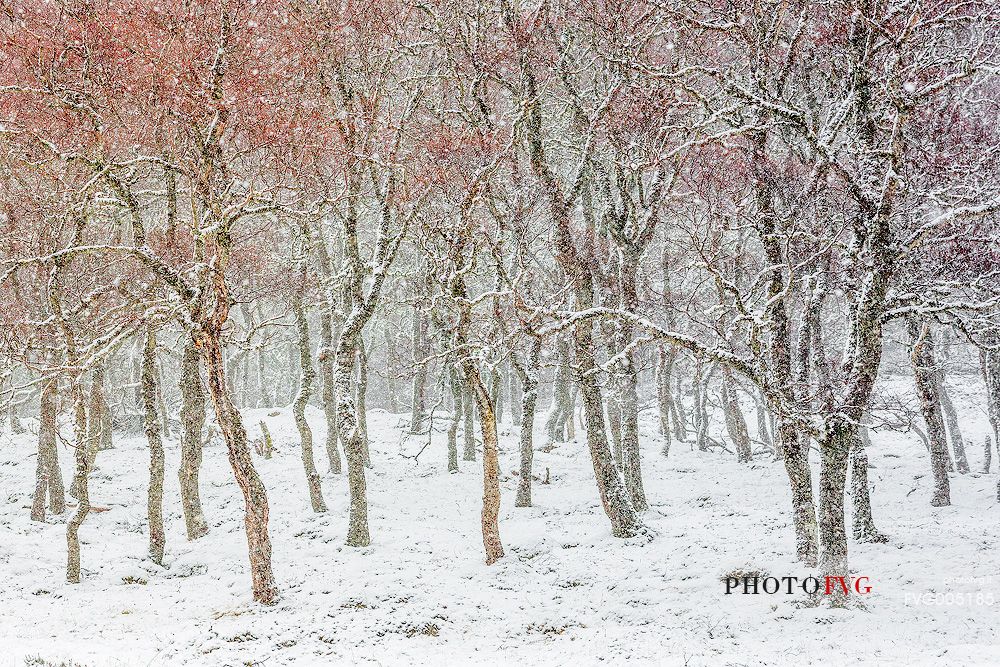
(757, 585)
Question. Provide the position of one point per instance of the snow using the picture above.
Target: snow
(566, 592)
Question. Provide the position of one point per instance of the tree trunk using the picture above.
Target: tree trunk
(922, 356)
(329, 391)
(418, 407)
(515, 390)
(629, 405)
(362, 400)
(736, 424)
(666, 357)
(615, 498)
(308, 374)
(468, 429)
(254, 494)
(560, 412)
(987, 455)
(80, 481)
(192, 423)
(154, 500)
(864, 524)
(951, 422)
(529, 397)
(350, 433)
(835, 445)
(989, 365)
(456, 418)
(48, 476)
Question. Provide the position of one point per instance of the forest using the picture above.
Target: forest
(529, 331)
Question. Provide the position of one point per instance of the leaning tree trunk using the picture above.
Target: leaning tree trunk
(48, 476)
(192, 421)
(529, 398)
(254, 494)
(154, 500)
(922, 356)
(615, 498)
(308, 375)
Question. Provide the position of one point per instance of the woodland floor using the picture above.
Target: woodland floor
(567, 592)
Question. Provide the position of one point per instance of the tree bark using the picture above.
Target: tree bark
(234, 433)
(80, 480)
(529, 398)
(48, 476)
(924, 368)
(456, 418)
(864, 523)
(192, 422)
(736, 424)
(154, 500)
(418, 408)
(560, 412)
(468, 428)
(308, 375)
(951, 422)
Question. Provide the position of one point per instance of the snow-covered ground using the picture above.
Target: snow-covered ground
(566, 593)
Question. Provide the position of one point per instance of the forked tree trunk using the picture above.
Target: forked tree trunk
(666, 357)
(625, 520)
(192, 422)
(922, 356)
(48, 476)
(308, 374)
(154, 500)
(529, 398)
(561, 410)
